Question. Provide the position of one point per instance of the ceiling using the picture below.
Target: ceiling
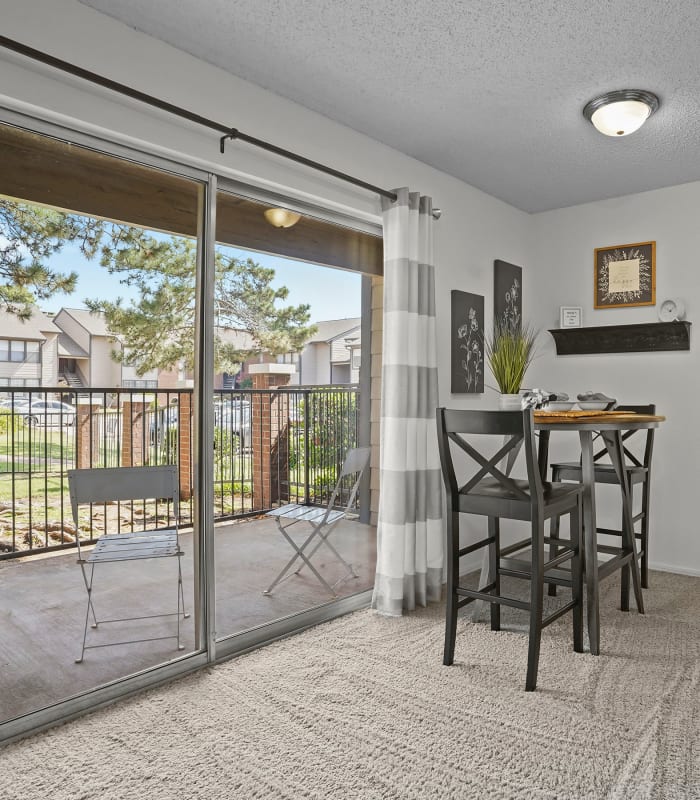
(489, 91)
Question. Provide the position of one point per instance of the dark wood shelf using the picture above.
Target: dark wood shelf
(644, 337)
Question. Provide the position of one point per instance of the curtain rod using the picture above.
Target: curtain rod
(227, 131)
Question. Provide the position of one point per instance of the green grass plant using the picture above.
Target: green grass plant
(510, 351)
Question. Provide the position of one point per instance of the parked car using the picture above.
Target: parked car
(47, 412)
(231, 416)
(14, 404)
(234, 416)
(162, 420)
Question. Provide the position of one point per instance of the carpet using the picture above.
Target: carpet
(362, 707)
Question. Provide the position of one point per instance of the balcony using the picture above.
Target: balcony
(41, 588)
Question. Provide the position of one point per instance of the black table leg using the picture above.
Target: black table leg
(589, 540)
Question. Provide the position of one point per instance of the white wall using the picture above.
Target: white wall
(565, 240)
(16, 370)
(104, 370)
(49, 360)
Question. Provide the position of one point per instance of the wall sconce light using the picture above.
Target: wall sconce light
(281, 217)
(622, 112)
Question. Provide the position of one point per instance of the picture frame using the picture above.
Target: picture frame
(507, 295)
(624, 275)
(570, 317)
(467, 343)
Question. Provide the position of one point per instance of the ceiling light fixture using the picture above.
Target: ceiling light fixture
(282, 217)
(622, 112)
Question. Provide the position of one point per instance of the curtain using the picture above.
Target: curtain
(409, 529)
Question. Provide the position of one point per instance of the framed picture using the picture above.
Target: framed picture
(507, 294)
(625, 275)
(570, 316)
(467, 343)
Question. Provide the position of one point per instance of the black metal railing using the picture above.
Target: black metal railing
(270, 447)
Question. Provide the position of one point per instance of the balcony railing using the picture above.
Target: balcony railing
(270, 447)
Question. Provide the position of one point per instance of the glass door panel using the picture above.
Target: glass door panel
(95, 374)
(287, 388)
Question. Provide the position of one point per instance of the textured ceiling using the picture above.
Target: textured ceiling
(490, 92)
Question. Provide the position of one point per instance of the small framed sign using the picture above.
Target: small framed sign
(625, 275)
(570, 317)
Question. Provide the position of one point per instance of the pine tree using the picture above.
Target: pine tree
(157, 329)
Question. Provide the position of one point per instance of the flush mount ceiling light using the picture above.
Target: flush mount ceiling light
(282, 217)
(622, 112)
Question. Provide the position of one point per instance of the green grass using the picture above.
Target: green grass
(38, 443)
(50, 485)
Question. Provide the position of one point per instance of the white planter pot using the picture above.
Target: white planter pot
(509, 402)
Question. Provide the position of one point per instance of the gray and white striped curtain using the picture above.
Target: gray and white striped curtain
(409, 529)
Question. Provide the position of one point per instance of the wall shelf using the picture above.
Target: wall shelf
(644, 337)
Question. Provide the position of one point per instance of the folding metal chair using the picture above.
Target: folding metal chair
(127, 484)
(322, 521)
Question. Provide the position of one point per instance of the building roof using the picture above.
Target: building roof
(34, 328)
(67, 348)
(241, 340)
(330, 329)
(94, 323)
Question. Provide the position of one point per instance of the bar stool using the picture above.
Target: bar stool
(495, 495)
(637, 471)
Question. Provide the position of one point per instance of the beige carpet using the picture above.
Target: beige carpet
(362, 708)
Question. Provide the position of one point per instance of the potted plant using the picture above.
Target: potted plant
(509, 351)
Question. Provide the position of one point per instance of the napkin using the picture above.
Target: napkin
(536, 398)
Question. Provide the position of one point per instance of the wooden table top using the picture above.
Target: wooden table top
(597, 419)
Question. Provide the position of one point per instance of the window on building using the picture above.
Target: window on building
(32, 350)
(134, 383)
(19, 382)
(19, 351)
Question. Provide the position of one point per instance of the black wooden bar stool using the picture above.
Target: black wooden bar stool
(491, 493)
(637, 471)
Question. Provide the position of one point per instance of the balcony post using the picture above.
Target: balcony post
(134, 436)
(87, 439)
(184, 444)
(270, 427)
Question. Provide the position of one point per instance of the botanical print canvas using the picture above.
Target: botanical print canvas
(467, 343)
(507, 295)
(625, 275)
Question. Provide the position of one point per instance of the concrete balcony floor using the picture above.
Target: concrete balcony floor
(43, 600)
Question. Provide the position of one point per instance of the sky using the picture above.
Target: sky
(332, 293)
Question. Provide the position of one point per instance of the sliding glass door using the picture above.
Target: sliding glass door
(154, 316)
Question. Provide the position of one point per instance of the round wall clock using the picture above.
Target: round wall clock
(672, 310)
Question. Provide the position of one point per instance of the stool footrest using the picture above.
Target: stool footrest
(548, 620)
(476, 546)
(492, 598)
(515, 568)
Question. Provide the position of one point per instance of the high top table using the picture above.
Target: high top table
(610, 425)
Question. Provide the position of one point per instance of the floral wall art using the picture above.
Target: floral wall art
(507, 295)
(625, 275)
(467, 343)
